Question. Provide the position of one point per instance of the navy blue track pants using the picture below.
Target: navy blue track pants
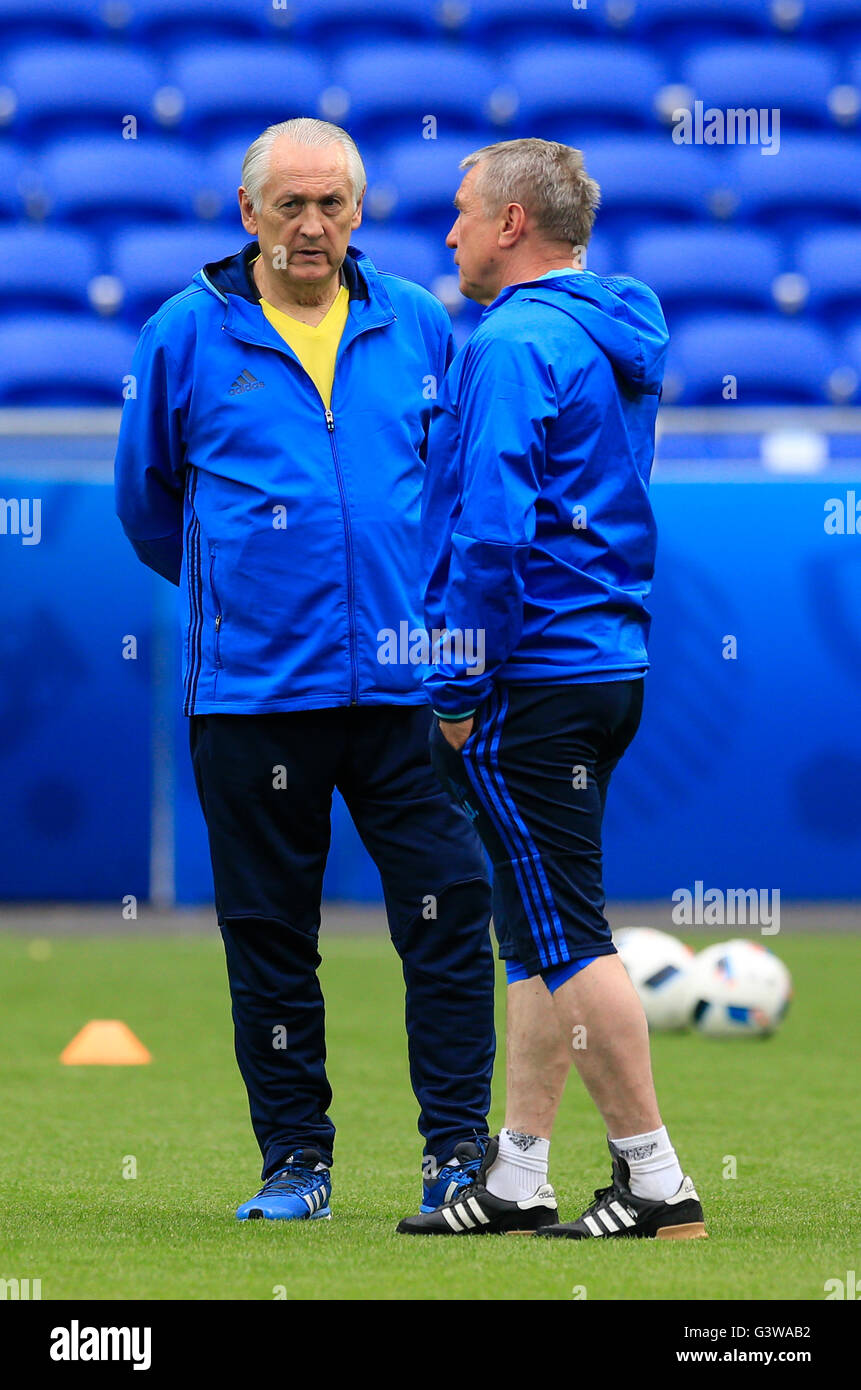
(269, 843)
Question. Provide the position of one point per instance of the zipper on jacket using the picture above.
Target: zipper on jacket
(351, 608)
(218, 615)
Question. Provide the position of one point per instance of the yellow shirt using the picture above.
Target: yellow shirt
(316, 347)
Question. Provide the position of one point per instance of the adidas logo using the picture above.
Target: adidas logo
(246, 381)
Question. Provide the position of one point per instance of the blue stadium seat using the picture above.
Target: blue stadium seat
(830, 261)
(851, 349)
(418, 181)
(693, 268)
(772, 359)
(647, 175)
(413, 254)
(34, 19)
(57, 359)
(396, 85)
(690, 19)
(168, 22)
(834, 21)
(598, 84)
(793, 77)
(245, 85)
(156, 261)
(501, 21)
(13, 162)
(111, 181)
(75, 84)
(812, 180)
(339, 23)
(66, 262)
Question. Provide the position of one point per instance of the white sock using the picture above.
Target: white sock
(655, 1171)
(520, 1167)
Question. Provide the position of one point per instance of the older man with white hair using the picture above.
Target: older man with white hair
(270, 462)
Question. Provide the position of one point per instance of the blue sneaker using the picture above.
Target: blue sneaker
(446, 1183)
(299, 1191)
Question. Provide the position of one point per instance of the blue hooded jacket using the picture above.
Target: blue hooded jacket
(292, 530)
(538, 537)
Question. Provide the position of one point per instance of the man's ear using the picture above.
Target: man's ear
(512, 226)
(247, 213)
(357, 215)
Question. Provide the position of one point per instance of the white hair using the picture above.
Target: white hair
(302, 130)
(546, 178)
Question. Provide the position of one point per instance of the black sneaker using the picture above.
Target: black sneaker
(474, 1211)
(617, 1212)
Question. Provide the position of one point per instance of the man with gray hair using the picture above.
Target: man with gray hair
(537, 528)
(270, 462)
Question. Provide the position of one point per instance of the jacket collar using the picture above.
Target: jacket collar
(233, 275)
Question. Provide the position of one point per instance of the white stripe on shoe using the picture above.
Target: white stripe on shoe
(592, 1225)
(482, 1216)
(464, 1216)
(624, 1216)
(451, 1219)
(605, 1216)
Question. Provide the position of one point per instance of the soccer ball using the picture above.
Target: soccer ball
(738, 989)
(658, 965)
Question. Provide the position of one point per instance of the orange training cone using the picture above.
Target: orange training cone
(105, 1042)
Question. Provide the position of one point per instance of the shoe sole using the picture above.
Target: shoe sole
(694, 1230)
(403, 1230)
(324, 1214)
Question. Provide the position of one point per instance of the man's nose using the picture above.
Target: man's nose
(312, 222)
(451, 239)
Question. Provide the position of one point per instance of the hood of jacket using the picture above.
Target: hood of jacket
(620, 314)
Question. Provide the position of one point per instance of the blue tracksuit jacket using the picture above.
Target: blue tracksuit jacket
(293, 531)
(538, 538)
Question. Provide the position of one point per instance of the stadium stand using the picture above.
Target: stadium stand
(85, 85)
(67, 359)
(706, 267)
(239, 88)
(772, 361)
(402, 83)
(601, 85)
(830, 262)
(797, 79)
(123, 124)
(68, 263)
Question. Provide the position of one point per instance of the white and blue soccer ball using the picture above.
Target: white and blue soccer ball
(738, 989)
(659, 965)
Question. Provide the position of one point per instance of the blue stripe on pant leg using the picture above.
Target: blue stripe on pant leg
(482, 777)
(476, 774)
(532, 849)
(534, 858)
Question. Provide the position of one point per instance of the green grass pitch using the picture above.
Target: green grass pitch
(785, 1108)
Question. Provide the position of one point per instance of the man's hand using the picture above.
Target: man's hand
(456, 732)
